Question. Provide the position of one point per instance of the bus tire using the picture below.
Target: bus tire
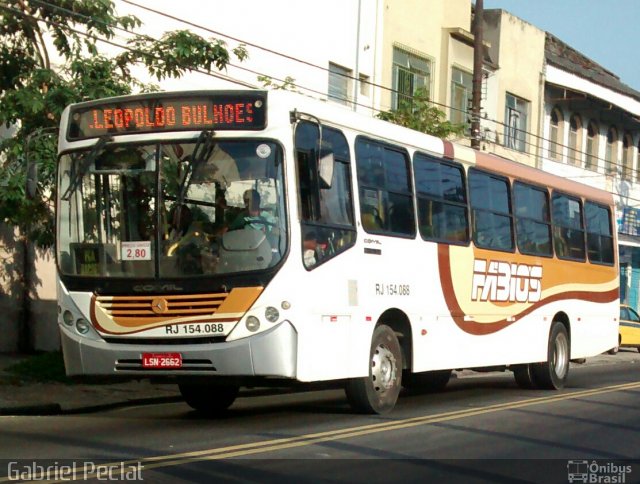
(378, 392)
(524, 376)
(615, 349)
(553, 373)
(430, 381)
(209, 398)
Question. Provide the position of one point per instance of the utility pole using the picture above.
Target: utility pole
(478, 55)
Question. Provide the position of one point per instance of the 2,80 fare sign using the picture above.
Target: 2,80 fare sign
(139, 250)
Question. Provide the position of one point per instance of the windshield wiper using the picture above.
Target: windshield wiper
(85, 163)
(201, 153)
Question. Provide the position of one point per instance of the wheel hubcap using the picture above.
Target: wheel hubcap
(383, 369)
(561, 355)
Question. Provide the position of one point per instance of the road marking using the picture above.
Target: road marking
(331, 435)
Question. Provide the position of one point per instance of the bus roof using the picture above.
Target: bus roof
(282, 103)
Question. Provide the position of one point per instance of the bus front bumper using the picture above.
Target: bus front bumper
(269, 354)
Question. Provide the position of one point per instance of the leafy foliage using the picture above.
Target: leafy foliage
(49, 58)
(419, 114)
(289, 83)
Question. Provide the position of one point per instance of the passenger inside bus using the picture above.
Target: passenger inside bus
(186, 239)
(309, 249)
(371, 220)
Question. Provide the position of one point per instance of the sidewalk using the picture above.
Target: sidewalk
(25, 397)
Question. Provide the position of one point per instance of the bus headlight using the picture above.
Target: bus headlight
(271, 314)
(82, 326)
(67, 318)
(252, 323)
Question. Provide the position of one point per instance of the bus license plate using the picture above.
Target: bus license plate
(195, 329)
(161, 360)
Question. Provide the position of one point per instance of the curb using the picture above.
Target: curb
(32, 410)
(49, 409)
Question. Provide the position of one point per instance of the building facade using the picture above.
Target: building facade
(592, 134)
(543, 103)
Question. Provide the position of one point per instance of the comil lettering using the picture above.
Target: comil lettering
(500, 281)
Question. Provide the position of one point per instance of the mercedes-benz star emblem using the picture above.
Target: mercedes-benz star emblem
(159, 305)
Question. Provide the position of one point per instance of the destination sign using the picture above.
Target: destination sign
(188, 112)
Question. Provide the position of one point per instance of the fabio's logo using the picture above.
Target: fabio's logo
(500, 281)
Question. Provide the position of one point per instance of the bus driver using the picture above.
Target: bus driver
(252, 216)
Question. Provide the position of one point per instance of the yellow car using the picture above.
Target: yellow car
(629, 327)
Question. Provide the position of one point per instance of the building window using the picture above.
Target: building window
(410, 73)
(592, 146)
(515, 120)
(339, 84)
(365, 85)
(575, 140)
(555, 134)
(611, 152)
(627, 157)
(461, 92)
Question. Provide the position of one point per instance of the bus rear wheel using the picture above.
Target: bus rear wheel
(524, 376)
(378, 392)
(209, 398)
(553, 373)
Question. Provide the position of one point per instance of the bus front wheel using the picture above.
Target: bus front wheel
(378, 392)
(209, 398)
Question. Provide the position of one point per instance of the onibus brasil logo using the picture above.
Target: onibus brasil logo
(596, 472)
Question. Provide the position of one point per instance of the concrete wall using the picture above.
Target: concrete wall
(36, 321)
(10, 289)
(315, 33)
(518, 49)
(424, 27)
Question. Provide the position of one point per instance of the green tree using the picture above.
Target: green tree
(34, 89)
(49, 58)
(289, 84)
(420, 114)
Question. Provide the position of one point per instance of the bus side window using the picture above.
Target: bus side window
(384, 183)
(533, 221)
(326, 210)
(599, 233)
(568, 227)
(492, 215)
(442, 199)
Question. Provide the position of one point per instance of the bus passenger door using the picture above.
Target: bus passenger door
(327, 232)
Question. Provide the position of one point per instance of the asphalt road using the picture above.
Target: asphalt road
(482, 428)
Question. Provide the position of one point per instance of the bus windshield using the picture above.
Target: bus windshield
(161, 210)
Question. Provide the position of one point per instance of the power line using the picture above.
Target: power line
(112, 43)
(286, 56)
(235, 39)
(525, 141)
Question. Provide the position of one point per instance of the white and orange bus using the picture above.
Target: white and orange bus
(217, 239)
